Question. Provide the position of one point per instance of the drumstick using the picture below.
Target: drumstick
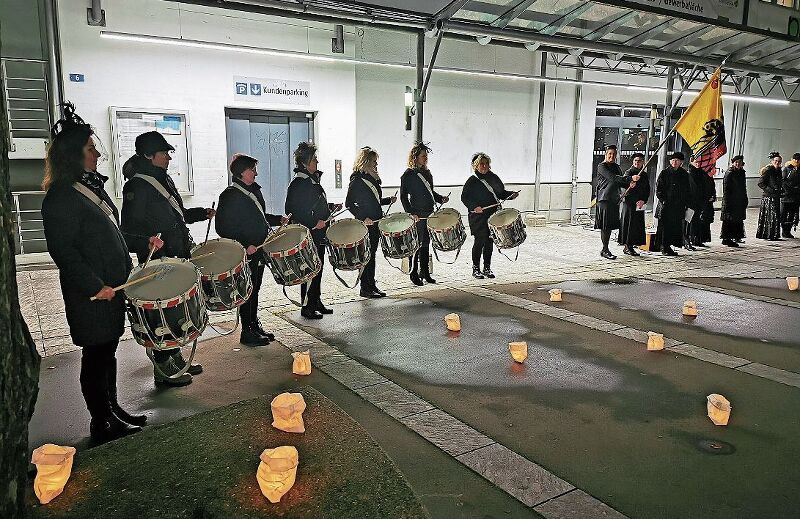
(131, 283)
(208, 229)
(152, 250)
(498, 203)
(195, 258)
(390, 203)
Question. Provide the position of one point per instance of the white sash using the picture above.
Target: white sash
(489, 188)
(158, 187)
(427, 186)
(102, 204)
(251, 196)
(372, 188)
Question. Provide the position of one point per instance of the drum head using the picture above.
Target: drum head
(395, 223)
(346, 231)
(174, 277)
(504, 217)
(444, 219)
(286, 238)
(224, 255)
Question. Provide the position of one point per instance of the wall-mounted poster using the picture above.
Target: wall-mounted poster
(128, 123)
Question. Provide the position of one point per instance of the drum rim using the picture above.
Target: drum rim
(512, 222)
(223, 275)
(303, 244)
(351, 244)
(396, 216)
(182, 296)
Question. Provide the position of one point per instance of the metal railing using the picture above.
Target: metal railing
(24, 87)
(28, 218)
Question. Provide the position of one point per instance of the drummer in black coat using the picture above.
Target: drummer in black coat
(609, 182)
(308, 204)
(483, 188)
(631, 230)
(672, 190)
(151, 205)
(419, 199)
(364, 201)
(242, 216)
(83, 238)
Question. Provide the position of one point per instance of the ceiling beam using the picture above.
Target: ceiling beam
(611, 26)
(748, 51)
(567, 18)
(449, 10)
(781, 55)
(647, 34)
(506, 18)
(683, 40)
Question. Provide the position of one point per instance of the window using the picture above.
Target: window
(782, 3)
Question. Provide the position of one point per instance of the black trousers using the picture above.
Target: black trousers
(98, 378)
(423, 255)
(249, 310)
(789, 214)
(483, 246)
(315, 287)
(368, 276)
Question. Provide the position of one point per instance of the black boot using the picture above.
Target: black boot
(250, 337)
(105, 426)
(260, 330)
(787, 230)
(414, 275)
(110, 428)
(476, 272)
(133, 419)
(322, 308)
(309, 312)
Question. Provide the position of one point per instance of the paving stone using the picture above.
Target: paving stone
(593, 323)
(714, 357)
(446, 432)
(789, 378)
(394, 400)
(577, 504)
(515, 474)
(352, 374)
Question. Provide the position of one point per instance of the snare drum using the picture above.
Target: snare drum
(398, 235)
(348, 244)
(446, 230)
(507, 228)
(167, 311)
(292, 255)
(224, 273)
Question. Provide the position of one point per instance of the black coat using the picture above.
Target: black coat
(307, 202)
(145, 213)
(710, 194)
(641, 191)
(90, 253)
(361, 200)
(697, 187)
(415, 197)
(609, 182)
(791, 185)
(672, 190)
(475, 194)
(771, 181)
(239, 219)
(734, 195)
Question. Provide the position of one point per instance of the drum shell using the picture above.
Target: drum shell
(509, 235)
(228, 289)
(448, 238)
(349, 256)
(296, 265)
(400, 244)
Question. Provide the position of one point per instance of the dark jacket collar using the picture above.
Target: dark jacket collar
(254, 187)
(316, 175)
(363, 174)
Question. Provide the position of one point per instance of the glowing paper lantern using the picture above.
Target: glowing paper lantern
(53, 468)
(301, 365)
(555, 295)
(690, 308)
(719, 409)
(793, 282)
(655, 341)
(287, 412)
(453, 322)
(518, 350)
(277, 471)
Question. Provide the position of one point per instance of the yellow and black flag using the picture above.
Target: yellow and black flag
(702, 124)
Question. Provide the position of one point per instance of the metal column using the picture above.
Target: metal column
(54, 60)
(573, 206)
(419, 94)
(540, 126)
(666, 126)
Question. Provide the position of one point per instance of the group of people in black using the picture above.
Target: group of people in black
(685, 208)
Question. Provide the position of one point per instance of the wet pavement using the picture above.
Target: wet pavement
(626, 425)
(768, 287)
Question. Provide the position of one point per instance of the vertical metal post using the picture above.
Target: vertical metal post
(418, 94)
(53, 60)
(666, 126)
(539, 128)
(576, 123)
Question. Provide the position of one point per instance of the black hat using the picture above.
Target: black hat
(738, 157)
(152, 142)
(637, 155)
(773, 154)
(677, 155)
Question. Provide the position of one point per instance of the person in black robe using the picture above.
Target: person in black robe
(419, 199)
(771, 183)
(81, 226)
(790, 203)
(697, 201)
(483, 188)
(672, 190)
(242, 216)
(609, 182)
(364, 201)
(702, 233)
(632, 225)
(308, 204)
(734, 203)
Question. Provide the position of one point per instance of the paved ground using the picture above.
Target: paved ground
(591, 426)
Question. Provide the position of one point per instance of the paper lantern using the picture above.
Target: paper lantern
(518, 350)
(301, 365)
(793, 282)
(287, 412)
(690, 308)
(453, 322)
(655, 341)
(719, 409)
(53, 468)
(277, 471)
(555, 294)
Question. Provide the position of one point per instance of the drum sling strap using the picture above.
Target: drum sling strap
(427, 186)
(88, 193)
(163, 192)
(374, 190)
(494, 195)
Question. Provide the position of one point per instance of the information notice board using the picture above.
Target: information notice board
(128, 123)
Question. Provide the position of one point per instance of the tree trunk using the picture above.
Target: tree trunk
(19, 360)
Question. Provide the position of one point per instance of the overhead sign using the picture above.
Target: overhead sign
(730, 10)
(261, 90)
